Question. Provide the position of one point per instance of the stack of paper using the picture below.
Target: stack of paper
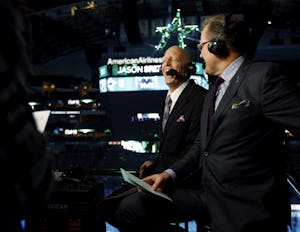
(131, 179)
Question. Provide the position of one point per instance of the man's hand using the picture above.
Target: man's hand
(144, 166)
(158, 181)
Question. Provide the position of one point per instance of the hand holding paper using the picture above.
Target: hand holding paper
(128, 177)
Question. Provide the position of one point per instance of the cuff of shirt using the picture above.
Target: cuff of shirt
(172, 173)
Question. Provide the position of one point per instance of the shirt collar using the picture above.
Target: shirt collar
(176, 93)
(232, 68)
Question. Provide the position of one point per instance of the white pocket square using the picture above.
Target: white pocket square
(181, 119)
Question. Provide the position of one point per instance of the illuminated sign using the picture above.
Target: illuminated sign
(141, 117)
(103, 71)
(176, 26)
(139, 60)
(141, 83)
(139, 74)
(135, 69)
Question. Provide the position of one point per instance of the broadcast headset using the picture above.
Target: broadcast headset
(190, 69)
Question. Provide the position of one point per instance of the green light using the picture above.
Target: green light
(176, 26)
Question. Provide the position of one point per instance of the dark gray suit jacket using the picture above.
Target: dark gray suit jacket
(242, 153)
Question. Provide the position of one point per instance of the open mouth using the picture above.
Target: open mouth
(171, 72)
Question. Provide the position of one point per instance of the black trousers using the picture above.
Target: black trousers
(140, 211)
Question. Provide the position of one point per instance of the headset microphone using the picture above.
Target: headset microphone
(172, 72)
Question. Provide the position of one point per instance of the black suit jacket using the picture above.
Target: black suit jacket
(182, 127)
(242, 151)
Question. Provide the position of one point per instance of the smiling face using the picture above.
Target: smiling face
(175, 58)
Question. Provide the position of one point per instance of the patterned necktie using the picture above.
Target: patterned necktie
(214, 90)
(168, 103)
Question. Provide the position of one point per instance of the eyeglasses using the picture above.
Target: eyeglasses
(200, 45)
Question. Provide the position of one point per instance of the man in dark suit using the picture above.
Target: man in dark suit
(178, 131)
(240, 149)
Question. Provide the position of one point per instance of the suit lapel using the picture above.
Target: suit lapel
(160, 125)
(204, 118)
(181, 101)
(225, 101)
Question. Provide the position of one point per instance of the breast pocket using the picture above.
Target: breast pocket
(242, 112)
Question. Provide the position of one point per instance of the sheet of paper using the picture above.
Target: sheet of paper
(132, 179)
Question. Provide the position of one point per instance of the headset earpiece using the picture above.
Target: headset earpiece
(217, 46)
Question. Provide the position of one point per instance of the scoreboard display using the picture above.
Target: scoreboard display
(139, 74)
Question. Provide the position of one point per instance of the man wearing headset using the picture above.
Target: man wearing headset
(180, 125)
(240, 147)
(185, 98)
